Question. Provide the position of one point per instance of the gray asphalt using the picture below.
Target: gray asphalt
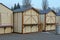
(32, 36)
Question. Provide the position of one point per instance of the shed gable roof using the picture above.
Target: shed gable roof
(47, 11)
(25, 9)
(58, 13)
(5, 6)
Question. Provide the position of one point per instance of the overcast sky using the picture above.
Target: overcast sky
(35, 3)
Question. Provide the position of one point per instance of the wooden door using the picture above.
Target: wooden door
(34, 28)
(27, 29)
(1, 30)
(53, 27)
(50, 21)
(50, 27)
(8, 30)
(30, 21)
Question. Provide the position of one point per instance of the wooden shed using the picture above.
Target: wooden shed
(26, 20)
(50, 20)
(6, 19)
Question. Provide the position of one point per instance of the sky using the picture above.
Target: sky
(35, 3)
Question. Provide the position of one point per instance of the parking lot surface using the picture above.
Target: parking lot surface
(31, 36)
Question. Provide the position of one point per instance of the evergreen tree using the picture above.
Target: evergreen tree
(26, 3)
(18, 6)
(15, 7)
(45, 4)
(12, 8)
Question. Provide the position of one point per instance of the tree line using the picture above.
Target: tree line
(16, 6)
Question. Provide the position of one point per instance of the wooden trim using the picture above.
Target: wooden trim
(50, 16)
(49, 30)
(30, 24)
(5, 26)
(4, 29)
(0, 18)
(17, 21)
(11, 29)
(31, 19)
(38, 23)
(50, 23)
(55, 20)
(30, 15)
(13, 21)
(45, 23)
(22, 22)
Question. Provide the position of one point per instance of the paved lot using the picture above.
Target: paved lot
(32, 36)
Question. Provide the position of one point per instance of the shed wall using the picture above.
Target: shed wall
(18, 22)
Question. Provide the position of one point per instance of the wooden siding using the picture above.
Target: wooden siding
(35, 28)
(8, 30)
(18, 22)
(1, 30)
(31, 21)
(42, 20)
(50, 17)
(15, 22)
(50, 21)
(6, 16)
(50, 27)
(30, 17)
(27, 29)
(6, 20)
(5, 30)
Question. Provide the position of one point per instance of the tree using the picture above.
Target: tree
(26, 3)
(12, 8)
(18, 6)
(15, 7)
(45, 4)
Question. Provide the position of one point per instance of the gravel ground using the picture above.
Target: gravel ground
(32, 36)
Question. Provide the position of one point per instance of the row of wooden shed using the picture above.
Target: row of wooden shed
(26, 20)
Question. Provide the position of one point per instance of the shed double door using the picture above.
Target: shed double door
(50, 27)
(29, 29)
(35, 28)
